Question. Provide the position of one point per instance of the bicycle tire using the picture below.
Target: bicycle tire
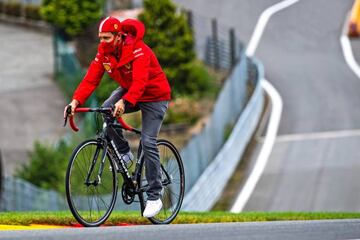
(170, 209)
(74, 182)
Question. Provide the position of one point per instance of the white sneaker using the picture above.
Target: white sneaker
(153, 207)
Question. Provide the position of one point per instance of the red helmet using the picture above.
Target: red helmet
(110, 24)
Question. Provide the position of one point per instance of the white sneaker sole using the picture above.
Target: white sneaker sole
(152, 215)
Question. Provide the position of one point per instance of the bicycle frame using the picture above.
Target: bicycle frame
(134, 184)
(103, 141)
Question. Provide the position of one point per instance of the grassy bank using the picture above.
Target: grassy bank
(65, 218)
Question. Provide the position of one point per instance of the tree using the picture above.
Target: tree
(47, 166)
(170, 37)
(72, 16)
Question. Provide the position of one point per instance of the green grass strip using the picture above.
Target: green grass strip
(133, 217)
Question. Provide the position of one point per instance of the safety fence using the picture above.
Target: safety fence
(20, 195)
(21, 11)
(208, 187)
(69, 73)
(203, 147)
(24, 2)
(67, 67)
(216, 44)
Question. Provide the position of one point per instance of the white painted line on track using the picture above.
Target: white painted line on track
(276, 103)
(348, 55)
(319, 135)
(271, 133)
(260, 26)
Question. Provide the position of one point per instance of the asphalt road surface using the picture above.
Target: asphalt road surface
(304, 230)
(315, 164)
(240, 15)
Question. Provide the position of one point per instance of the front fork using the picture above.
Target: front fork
(101, 144)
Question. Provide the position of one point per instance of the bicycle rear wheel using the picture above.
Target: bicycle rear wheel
(90, 198)
(173, 181)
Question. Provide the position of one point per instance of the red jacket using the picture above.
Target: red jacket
(138, 70)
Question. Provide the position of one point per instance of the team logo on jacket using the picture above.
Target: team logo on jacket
(107, 67)
(128, 66)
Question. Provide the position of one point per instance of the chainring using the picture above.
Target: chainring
(127, 194)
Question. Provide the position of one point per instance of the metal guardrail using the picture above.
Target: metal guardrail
(24, 2)
(20, 195)
(208, 188)
(203, 147)
(214, 43)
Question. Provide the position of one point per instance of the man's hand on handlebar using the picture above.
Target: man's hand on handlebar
(106, 111)
(74, 103)
(119, 108)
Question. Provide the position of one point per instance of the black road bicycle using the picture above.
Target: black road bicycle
(92, 180)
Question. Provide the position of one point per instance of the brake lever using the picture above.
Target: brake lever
(68, 112)
(112, 108)
(65, 121)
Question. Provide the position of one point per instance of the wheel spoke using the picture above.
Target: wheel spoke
(97, 203)
(103, 202)
(90, 204)
(177, 195)
(81, 172)
(81, 162)
(164, 210)
(172, 176)
(85, 159)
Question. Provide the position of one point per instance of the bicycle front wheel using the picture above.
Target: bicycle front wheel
(173, 182)
(91, 184)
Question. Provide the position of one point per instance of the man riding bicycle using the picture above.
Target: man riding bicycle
(143, 86)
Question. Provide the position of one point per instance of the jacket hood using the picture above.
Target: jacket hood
(133, 27)
(135, 31)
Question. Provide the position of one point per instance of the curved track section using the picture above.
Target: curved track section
(314, 164)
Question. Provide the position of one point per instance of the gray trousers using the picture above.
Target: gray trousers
(152, 114)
